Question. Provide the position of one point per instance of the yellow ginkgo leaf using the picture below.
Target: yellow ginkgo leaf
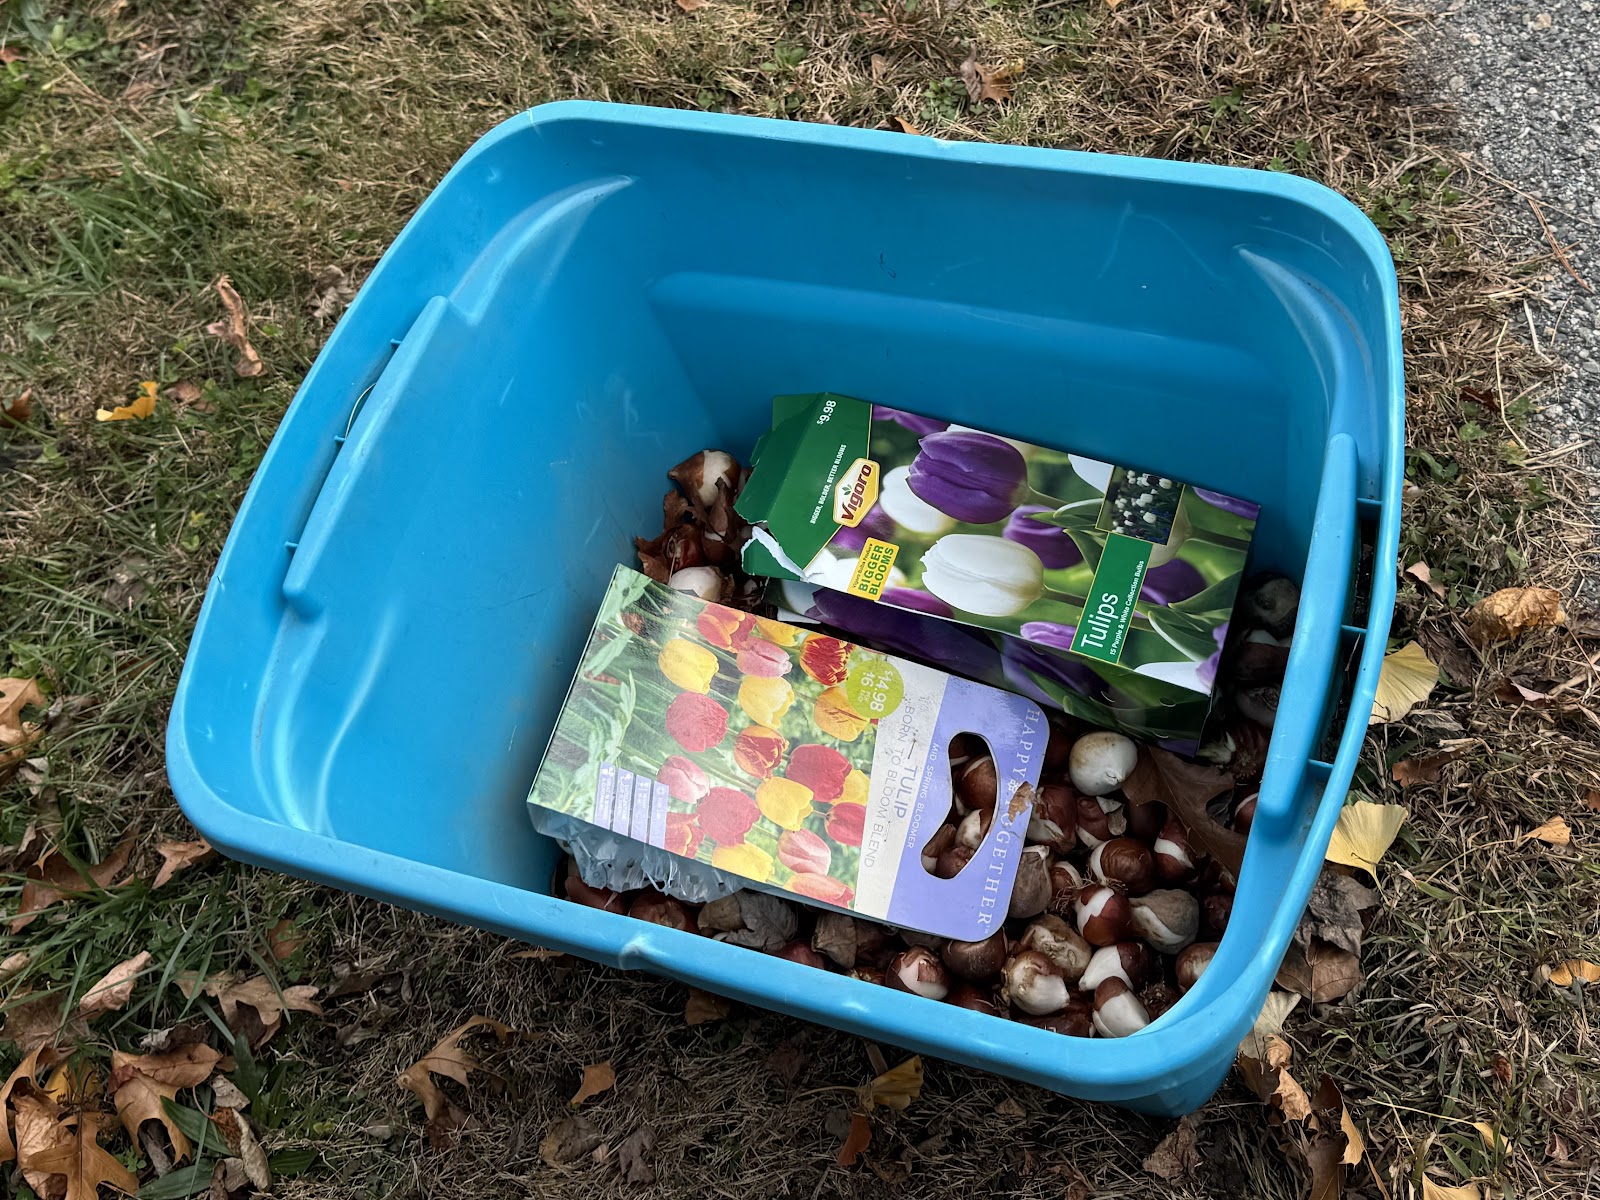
(1364, 834)
(1437, 1191)
(143, 405)
(1408, 676)
(1491, 1136)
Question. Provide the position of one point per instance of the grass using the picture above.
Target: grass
(146, 148)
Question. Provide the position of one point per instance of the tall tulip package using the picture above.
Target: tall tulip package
(801, 763)
(1102, 590)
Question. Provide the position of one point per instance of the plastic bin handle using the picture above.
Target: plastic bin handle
(1324, 593)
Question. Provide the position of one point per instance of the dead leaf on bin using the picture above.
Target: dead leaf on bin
(597, 1078)
(1177, 1156)
(236, 331)
(53, 878)
(1554, 832)
(1425, 768)
(1423, 574)
(115, 988)
(1321, 972)
(140, 1082)
(1364, 833)
(897, 1087)
(143, 405)
(1186, 788)
(857, 1140)
(1407, 678)
(1506, 615)
(702, 1007)
(179, 856)
(450, 1060)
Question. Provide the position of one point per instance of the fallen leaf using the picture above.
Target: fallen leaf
(1591, 799)
(140, 1082)
(787, 1061)
(450, 1060)
(1407, 679)
(857, 1140)
(988, 83)
(283, 939)
(1333, 912)
(1563, 973)
(1186, 788)
(1509, 691)
(9, 54)
(897, 1087)
(1555, 832)
(1423, 574)
(115, 989)
(53, 878)
(1364, 833)
(1009, 1108)
(31, 1023)
(179, 856)
(1270, 1079)
(1506, 615)
(16, 735)
(1409, 772)
(39, 1130)
(236, 331)
(143, 405)
(633, 1156)
(16, 410)
(185, 391)
(690, 6)
(765, 922)
(34, 1061)
(597, 1078)
(1437, 1191)
(1275, 1010)
(14, 965)
(1348, 6)
(268, 1002)
(901, 125)
(1321, 972)
(81, 1159)
(1493, 1141)
(243, 1144)
(331, 293)
(1355, 1146)
(569, 1140)
(1176, 1156)
(703, 1006)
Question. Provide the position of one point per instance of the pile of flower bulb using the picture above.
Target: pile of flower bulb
(1115, 912)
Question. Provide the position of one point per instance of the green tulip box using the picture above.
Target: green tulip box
(1102, 590)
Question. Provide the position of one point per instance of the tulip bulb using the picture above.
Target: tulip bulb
(1117, 1010)
(1101, 762)
(1054, 821)
(1192, 964)
(1060, 943)
(699, 474)
(1167, 918)
(919, 971)
(1130, 962)
(1123, 861)
(976, 999)
(976, 960)
(704, 582)
(1030, 894)
(1102, 913)
(1033, 984)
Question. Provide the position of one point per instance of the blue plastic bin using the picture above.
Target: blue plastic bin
(594, 292)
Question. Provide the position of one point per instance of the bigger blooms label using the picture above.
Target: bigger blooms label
(801, 762)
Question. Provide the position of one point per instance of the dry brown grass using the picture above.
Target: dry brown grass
(318, 126)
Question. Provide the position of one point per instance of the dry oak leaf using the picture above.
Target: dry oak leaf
(597, 1078)
(1186, 788)
(450, 1060)
(1275, 1010)
(569, 1140)
(1364, 833)
(633, 1156)
(1506, 615)
(702, 1007)
(1554, 832)
(15, 733)
(80, 1157)
(115, 989)
(27, 1072)
(1425, 768)
(242, 1144)
(270, 1003)
(1177, 1156)
(1563, 973)
(283, 939)
(17, 410)
(39, 1128)
(1423, 574)
(896, 1088)
(141, 1081)
(54, 878)
(1268, 1076)
(1407, 678)
(142, 406)
(857, 1140)
(1438, 1191)
(31, 1023)
(236, 331)
(179, 856)
(690, 6)
(1321, 972)
(1333, 912)
(988, 83)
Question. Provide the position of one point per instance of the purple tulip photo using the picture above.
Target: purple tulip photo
(1049, 633)
(972, 477)
(918, 425)
(876, 523)
(1171, 582)
(1206, 672)
(1052, 544)
(1228, 504)
(1021, 658)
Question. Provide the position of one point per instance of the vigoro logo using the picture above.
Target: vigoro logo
(855, 493)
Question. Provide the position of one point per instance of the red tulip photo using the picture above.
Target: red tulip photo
(696, 722)
(846, 822)
(726, 814)
(821, 768)
(759, 751)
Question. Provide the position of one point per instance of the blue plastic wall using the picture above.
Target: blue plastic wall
(595, 292)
